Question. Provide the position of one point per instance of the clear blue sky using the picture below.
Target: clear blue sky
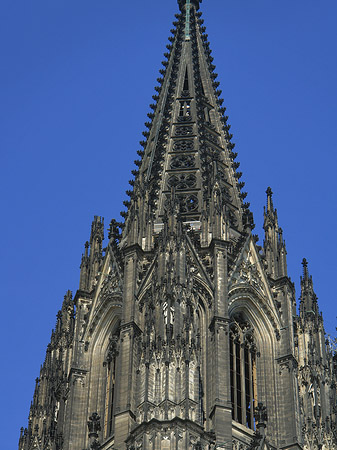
(76, 80)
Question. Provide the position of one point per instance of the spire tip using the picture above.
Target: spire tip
(182, 4)
(305, 267)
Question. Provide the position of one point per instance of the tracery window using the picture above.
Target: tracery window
(184, 130)
(243, 373)
(183, 145)
(182, 162)
(110, 365)
(188, 203)
(182, 181)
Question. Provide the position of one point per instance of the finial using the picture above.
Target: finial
(270, 206)
(305, 268)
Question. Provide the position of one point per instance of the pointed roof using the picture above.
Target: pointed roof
(188, 143)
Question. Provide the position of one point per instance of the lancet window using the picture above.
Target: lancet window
(110, 365)
(243, 373)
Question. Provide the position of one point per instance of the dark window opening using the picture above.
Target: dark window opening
(185, 109)
(186, 84)
(242, 355)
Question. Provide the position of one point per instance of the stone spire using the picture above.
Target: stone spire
(274, 245)
(186, 209)
(187, 145)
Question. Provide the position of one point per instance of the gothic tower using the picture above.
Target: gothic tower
(184, 333)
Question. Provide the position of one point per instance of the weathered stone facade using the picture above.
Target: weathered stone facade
(184, 332)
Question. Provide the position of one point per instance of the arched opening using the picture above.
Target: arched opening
(110, 378)
(243, 378)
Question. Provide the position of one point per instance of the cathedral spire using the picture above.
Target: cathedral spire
(187, 144)
(179, 332)
(274, 245)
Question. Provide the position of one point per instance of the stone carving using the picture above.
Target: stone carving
(112, 350)
(188, 203)
(237, 445)
(211, 137)
(248, 274)
(183, 181)
(94, 425)
(184, 130)
(182, 162)
(185, 119)
(110, 286)
(183, 145)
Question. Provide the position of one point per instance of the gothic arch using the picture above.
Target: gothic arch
(242, 358)
(203, 321)
(266, 336)
(100, 341)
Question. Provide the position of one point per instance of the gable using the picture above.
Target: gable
(248, 278)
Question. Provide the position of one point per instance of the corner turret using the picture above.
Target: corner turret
(316, 367)
(49, 398)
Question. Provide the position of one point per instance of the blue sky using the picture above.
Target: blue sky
(76, 81)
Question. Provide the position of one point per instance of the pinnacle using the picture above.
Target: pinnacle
(305, 270)
(308, 298)
(270, 213)
(270, 206)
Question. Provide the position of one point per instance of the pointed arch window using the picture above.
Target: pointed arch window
(243, 372)
(110, 365)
